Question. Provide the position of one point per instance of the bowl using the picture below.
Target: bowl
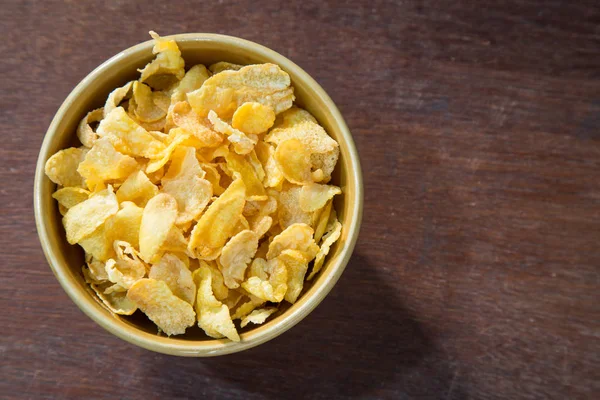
(66, 260)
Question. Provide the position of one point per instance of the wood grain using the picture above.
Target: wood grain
(477, 272)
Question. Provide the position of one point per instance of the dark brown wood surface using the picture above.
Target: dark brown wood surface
(477, 271)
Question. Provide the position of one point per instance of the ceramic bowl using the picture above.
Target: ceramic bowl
(66, 260)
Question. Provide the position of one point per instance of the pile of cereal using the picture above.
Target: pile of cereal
(199, 196)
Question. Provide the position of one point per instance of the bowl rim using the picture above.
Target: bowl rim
(213, 347)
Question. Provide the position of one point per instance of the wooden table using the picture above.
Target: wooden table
(477, 272)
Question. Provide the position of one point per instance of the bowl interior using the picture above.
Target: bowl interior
(66, 260)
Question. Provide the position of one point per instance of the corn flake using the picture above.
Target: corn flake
(171, 270)
(116, 97)
(273, 289)
(186, 118)
(208, 155)
(103, 163)
(125, 224)
(70, 196)
(85, 133)
(328, 240)
(168, 66)
(171, 314)
(253, 117)
(296, 264)
(96, 272)
(311, 134)
(175, 243)
(84, 218)
(213, 316)
(127, 136)
(125, 251)
(295, 237)
(259, 269)
(240, 164)
(218, 222)
(273, 175)
(247, 307)
(293, 160)
(184, 182)
(148, 126)
(257, 317)
(61, 168)
(289, 211)
(158, 218)
(253, 160)
(261, 224)
(149, 106)
(314, 196)
(224, 66)
(137, 188)
(117, 302)
(242, 143)
(236, 255)
(226, 91)
(192, 80)
(124, 272)
(322, 220)
(324, 164)
(292, 117)
(232, 299)
(299, 124)
(213, 176)
(177, 137)
(98, 245)
(219, 289)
